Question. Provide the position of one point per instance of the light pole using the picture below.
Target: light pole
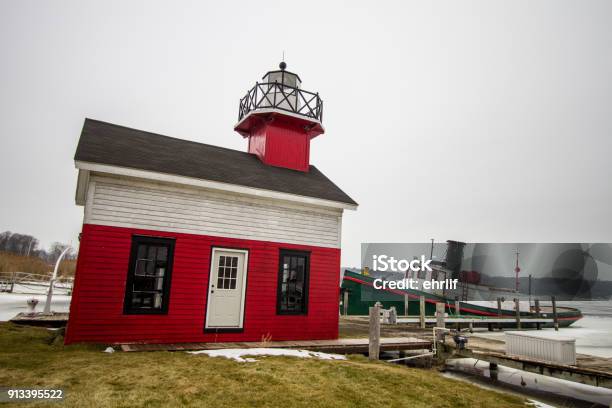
(52, 281)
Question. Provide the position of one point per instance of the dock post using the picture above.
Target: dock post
(493, 371)
(457, 311)
(374, 343)
(345, 301)
(517, 306)
(406, 300)
(440, 315)
(499, 312)
(555, 317)
(422, 311)
(537, 311)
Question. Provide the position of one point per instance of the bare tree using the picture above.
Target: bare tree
(4, 239)
(28, 245)
(55, 250)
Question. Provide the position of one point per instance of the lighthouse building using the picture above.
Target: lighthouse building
(188, 242)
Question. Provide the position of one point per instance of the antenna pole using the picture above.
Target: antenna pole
(432, 245)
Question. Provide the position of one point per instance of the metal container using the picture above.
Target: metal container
(543, 346)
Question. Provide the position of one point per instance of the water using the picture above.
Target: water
(593, 333)
(14, 303)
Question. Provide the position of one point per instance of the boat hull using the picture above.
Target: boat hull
(362, 295)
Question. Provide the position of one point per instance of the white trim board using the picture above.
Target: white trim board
(281, 112)
(133, 203)
(208, 184)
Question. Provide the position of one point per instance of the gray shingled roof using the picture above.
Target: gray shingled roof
(106, 143)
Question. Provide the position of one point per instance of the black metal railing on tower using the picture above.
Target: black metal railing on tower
(274, 95)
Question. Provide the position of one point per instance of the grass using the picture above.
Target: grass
(36, 357)
(20, 263)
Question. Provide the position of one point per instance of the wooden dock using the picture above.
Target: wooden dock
(340, 346)
(476, 320)
(53, 319)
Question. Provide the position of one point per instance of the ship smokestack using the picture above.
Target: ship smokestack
(454, 257)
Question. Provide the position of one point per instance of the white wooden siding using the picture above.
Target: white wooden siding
(132, 203)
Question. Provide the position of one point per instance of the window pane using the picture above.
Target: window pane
(141, 267)
(144, 283)
(162, 254)
(142, 251)
(151, 250)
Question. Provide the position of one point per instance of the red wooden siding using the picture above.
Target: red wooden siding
(282, 143)
(96, 312)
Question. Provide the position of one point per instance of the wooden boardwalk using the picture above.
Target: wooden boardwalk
(341, 346)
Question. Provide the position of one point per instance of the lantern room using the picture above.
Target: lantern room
(279, 118)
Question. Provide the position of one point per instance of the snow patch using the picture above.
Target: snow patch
(109, 350)
(538, 404)
(237, 354)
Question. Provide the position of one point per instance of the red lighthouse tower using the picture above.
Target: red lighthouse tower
(280, 119)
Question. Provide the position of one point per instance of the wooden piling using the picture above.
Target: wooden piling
(493, 371)
(499, 312)
(440, 315)
(555, 317)
(374, 343)
(457, 311)
(345, 302)
(406, 300)
(517, 306)
(422, 311)
(537, 311)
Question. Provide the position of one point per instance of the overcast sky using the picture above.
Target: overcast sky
(486, 121)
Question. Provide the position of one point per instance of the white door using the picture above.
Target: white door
(226, 289)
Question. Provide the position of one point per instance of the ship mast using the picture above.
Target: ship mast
(517, 270)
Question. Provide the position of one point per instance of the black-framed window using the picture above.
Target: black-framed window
(148, 280)
(293, 273)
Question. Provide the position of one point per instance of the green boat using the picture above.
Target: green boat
(362, 295)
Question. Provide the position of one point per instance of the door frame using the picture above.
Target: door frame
(240, 326)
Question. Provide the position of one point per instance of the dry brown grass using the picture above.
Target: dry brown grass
(31, 357)
(18, 263)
